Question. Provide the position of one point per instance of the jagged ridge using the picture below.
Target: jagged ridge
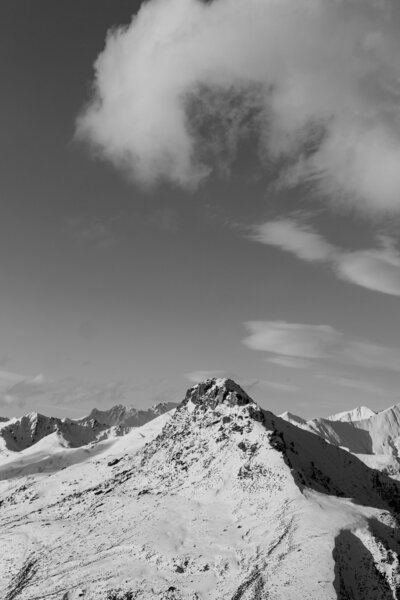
(21, 433)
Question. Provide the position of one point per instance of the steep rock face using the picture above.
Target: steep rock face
(225, 502)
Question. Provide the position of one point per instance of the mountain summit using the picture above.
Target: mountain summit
(216, 500)
(212, 392)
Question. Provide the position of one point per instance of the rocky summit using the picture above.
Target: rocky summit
(216, 499)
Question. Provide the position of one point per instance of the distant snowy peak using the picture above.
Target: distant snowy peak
(162, 407)
(20, 433)
(126, 416)
(363, 432)
(357, 414)
(291, 418)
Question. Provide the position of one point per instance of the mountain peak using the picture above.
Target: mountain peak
(213, 392)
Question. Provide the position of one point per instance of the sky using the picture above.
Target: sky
(196, 189)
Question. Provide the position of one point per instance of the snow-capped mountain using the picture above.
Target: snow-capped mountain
(124, 416)
(21, 433)
(291, 418)
(357, 414)
(375, 435)
(217, 499)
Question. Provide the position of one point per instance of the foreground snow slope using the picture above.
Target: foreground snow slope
(216, 500)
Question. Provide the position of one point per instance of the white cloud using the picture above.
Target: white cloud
(291, 339)
(294, 237)
(353, 384)
(321, 342)
(319, 81)
(376, 269)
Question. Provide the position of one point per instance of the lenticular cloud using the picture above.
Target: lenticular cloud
(316, 82)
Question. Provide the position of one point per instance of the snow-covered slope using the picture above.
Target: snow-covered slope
(217, 500)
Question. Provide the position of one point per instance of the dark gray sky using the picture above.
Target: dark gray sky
(115, 293)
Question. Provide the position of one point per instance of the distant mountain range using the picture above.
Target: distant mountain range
(216, 499)
(373, 437)
(20, 433)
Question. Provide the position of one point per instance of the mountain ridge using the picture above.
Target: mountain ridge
(20, 433)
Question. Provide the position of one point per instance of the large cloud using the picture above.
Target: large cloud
(376, 269)
(319, 81)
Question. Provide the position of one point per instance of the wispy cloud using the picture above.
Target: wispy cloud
(8, 379)
(92, 231)
(188, 76)
(376, 269)
(62, 392)
(353, 384)
(278, 386)
(165, 220)
(198, 376)
(318, 342)
(290, 362)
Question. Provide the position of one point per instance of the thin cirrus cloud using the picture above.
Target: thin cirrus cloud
(92, 232)
(289, 362)
(317, 83)
(353, 384)
(278, 386)
(376, 269)
(316, 343)
(61, 393)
